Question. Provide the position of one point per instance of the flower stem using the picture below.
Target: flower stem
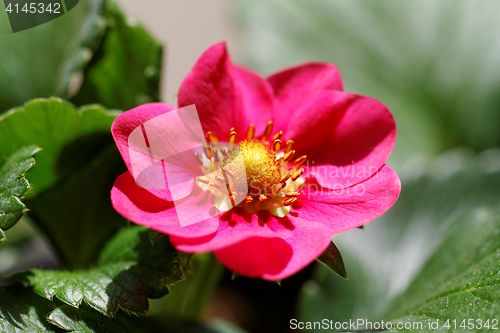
(203, 284)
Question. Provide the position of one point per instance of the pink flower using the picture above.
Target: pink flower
(337, 179)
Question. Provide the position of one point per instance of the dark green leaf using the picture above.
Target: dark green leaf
(448, 214)
(52, 124)
(333, 260)
(125, 70)
(77, 215)
(23, 311)
(45, 61)
(85, 320)
(13, 185)
(130, 270)
(74, 173)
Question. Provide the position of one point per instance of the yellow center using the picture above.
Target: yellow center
(269, 174)
(262, 170)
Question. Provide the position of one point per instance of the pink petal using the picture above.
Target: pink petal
(347, 137)
(295, 86)
(155, 141)
(226, 95)
(144, 208)
(344, 209)
(235, 226)
(277, 258)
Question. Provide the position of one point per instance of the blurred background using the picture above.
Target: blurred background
(435, 64)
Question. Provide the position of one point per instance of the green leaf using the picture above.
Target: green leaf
(425, 70)
(130, 270)
(13, 185)
(461, 280)
(85, 320)
(52, 124)
(46, 60)
(333, 260)
(74, 173)
(125, 70)
(76, 214)
(23, 311)
(441, 235)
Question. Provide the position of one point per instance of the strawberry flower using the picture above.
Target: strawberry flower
(314, 157)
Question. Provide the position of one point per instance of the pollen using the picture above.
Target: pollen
(270, 175)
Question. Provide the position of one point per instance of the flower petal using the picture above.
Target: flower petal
(295, 86)
(143, 207)
(342, 133)
(137, 127)
(344, 209)
(277, 258)
(235, 226)
(226, 95)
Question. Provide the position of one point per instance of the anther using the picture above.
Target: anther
(220, 179)
(248, 199)
(297, 174)
(268, 130)
(232, 137)
(250, 132)
(262, 198)
(223, 152)
(289, 201)
(284, 178)
(228, 172)
(208, 152)
(202, 179)
(289, 145)
(198, 158)
(216, 155)
(276, 145)
(288, 156)
(300, 160)
(211, 137)
(292, 194)
(215, 186)
(277, 135)
(276, 188)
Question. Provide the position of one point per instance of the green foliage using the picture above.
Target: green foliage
(117, 59)
(333, 260)
(130, 269)
(74, 173)
(45, 61)
(461, 280)
(52, 124)
(13, 185)
(85, 320)
(433, 63)
(23, 311)
(125, 70)
(438, 248)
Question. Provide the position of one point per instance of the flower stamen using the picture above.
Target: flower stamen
(232, 137)
(276, 145)
(250, 132)
(267, 132)
(288, 156)
(270, 179)
(211, 137)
